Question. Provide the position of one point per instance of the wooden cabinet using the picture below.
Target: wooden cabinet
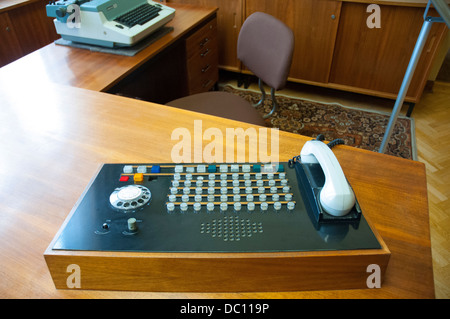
(315, 24)
(202, 58)
(10, 49)
(229, 20)
(186, 67)
(334, 47)
(374, 61)
(24, 29)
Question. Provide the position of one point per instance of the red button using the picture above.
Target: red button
(124, 178)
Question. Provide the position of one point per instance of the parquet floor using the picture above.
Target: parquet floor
(432, 117)
(432, 121)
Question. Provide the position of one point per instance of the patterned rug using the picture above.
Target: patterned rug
(357, 127)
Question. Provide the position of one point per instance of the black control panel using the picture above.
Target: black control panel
(225, 207)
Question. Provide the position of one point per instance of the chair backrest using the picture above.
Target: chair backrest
(265, 46)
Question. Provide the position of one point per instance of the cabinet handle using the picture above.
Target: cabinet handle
(207, 83)
(206, 68)
(205, 53)
(333, 17)
(203, 43)
(7, 29)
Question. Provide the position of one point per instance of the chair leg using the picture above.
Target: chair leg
(263, 94)
(274, 103)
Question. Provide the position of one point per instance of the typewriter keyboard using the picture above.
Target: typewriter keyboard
(139, 15)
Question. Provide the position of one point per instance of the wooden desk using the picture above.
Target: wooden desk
(56, 130)
(55, 137)
(101, 71)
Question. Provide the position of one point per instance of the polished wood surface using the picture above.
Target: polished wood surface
(58, 133)
(101, 71)
(57, 136)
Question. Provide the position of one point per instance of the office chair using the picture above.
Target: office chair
(265, 47)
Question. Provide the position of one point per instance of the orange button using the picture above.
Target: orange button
(138, 177)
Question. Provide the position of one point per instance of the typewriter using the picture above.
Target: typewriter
(108, 23)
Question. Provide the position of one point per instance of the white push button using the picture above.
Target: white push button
(178, 168)
(142, 169)
(277, 205)
(264, 206)
(190, 169)
(223, 206)
(132, 225)
(128, 169)
(201, 168)
(170, 207)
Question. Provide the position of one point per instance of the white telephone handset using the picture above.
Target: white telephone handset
(336, 197)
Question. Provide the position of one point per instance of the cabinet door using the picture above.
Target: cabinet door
(374, 61)
(34, 29)
(229, 21)
(315, 24)
(10, 47)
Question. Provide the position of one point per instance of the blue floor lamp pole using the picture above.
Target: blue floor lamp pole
(444, 11)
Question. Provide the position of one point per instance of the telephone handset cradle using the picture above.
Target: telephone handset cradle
(322, 180)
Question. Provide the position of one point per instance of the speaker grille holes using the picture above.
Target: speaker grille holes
(231, 228)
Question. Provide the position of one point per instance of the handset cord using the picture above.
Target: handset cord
(320, 137)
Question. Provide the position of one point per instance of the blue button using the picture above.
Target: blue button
(257, 168)
(280, 168)
(212, 168)
(156, 169)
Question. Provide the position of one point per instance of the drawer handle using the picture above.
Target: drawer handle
(207, 83)
(203, 43)
(206, 68)
(205, 53)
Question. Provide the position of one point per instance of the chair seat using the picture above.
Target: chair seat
(221, 104)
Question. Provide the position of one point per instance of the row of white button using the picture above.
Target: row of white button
(128, 169)
(237, 206)
(225, 183)
(225, 190)
(225, 197)
(223, 168)
(234, 176)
